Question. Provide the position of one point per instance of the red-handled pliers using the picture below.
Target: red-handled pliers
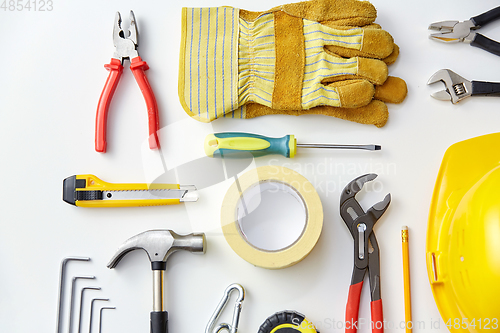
(126, 48)
(366, 258)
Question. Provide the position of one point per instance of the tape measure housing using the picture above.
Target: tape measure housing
(287, 322)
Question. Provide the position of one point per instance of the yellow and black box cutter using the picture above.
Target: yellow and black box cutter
(90, 191)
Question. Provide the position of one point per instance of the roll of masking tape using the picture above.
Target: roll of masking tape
(258, 180)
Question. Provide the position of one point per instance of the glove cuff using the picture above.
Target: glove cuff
(271, 60)
(208, 76)
(256, 60)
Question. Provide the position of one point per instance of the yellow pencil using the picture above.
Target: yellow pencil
(406, 276)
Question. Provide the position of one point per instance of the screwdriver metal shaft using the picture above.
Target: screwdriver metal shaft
(337, 146)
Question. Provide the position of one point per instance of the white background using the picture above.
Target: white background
(52, 76)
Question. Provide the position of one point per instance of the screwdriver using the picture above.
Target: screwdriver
(237, 143)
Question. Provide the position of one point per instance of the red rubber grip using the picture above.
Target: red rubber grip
(138, 68)
(115, 69)
(377, 316)
(352, 309)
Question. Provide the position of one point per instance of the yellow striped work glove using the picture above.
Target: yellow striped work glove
(289, 59)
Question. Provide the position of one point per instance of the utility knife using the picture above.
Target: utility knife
(90, 191)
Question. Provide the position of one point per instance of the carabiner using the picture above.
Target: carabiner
(233, 327)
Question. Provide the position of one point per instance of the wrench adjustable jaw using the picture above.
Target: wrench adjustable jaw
(125, 47)
(457, 87)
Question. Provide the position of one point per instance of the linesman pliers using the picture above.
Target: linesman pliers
(360, 224)
(126, 48)
(454, 31)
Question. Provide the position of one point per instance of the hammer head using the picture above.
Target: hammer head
(159, 245)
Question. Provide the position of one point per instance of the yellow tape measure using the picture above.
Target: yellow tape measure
(287, 322)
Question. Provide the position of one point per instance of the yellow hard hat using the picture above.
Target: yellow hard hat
(463, 236)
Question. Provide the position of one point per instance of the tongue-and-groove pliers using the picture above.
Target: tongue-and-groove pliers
(366, 258)
(126, 48)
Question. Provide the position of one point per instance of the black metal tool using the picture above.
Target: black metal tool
(366, 258)
(455, 31)
(458, 88)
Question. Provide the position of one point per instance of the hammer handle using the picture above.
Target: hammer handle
(159, 322)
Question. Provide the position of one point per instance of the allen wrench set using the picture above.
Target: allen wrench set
(61, 298)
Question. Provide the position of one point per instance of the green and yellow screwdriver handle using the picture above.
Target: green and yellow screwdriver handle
(236, 143)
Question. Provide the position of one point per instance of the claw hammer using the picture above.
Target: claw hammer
(159, 245)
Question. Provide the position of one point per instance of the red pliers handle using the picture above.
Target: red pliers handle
(115, 68)
(352, 311)
(138, 67)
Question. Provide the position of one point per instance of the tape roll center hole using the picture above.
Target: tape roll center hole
(271, 216)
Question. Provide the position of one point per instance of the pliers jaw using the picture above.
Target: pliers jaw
(355, 186)
(379, 208)
(453, 31)
(457, 87)
(125, 47)
(350, 209)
